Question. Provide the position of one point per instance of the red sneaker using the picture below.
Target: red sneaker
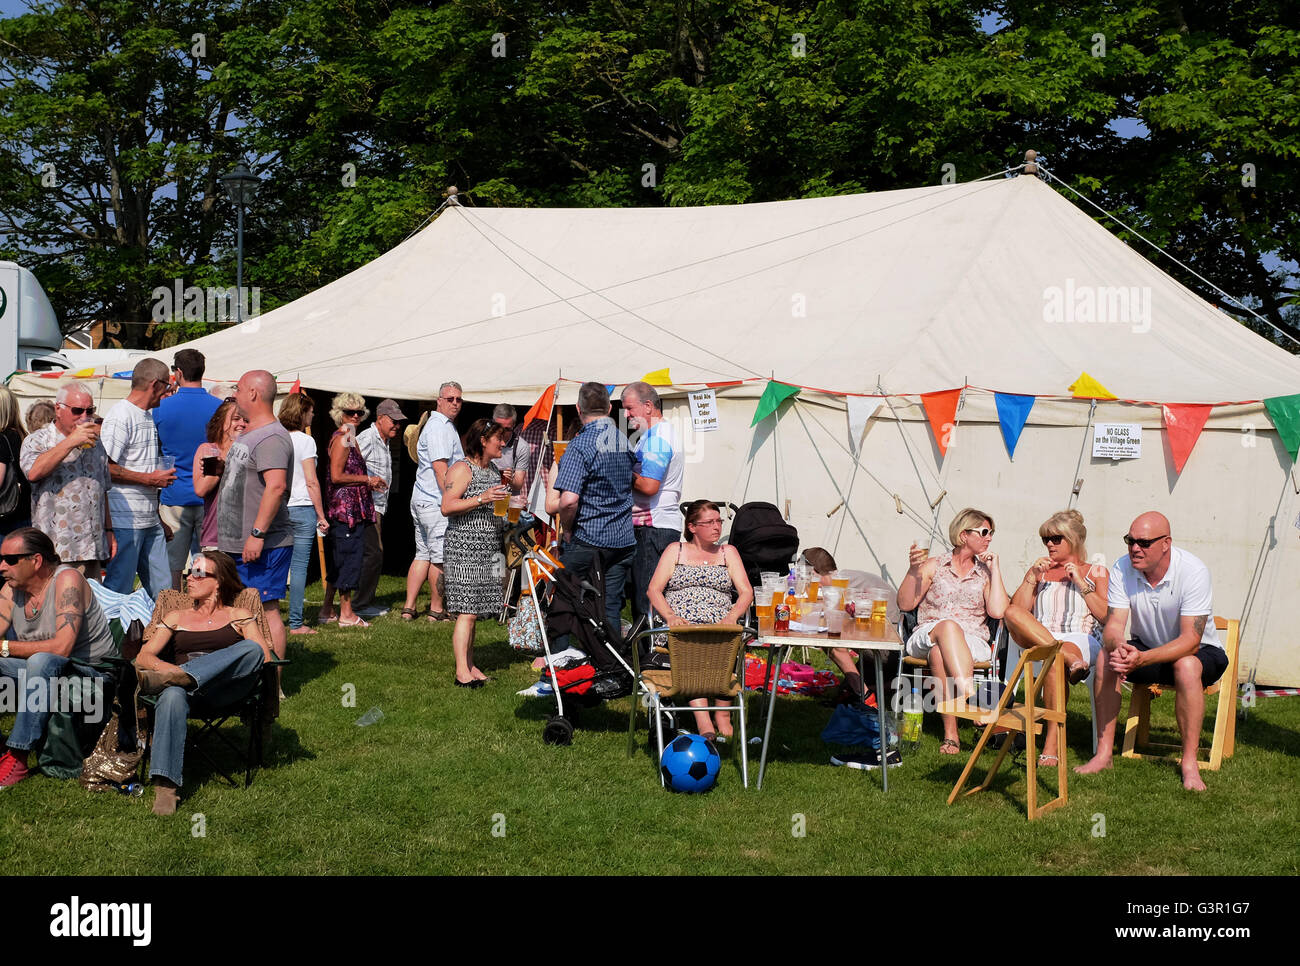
(12, 771)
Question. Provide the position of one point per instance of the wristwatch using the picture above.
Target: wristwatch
(260, 534)
(1089, 587)
(4, 648)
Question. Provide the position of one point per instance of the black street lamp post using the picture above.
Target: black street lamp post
(241, 186)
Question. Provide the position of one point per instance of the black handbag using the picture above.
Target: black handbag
(11, 488)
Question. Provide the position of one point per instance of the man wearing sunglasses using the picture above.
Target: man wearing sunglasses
(136, 466)
(438, 450)
(1162, 594)
(48, 616)
(68, 471)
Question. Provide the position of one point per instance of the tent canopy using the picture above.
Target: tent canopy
(990, 283)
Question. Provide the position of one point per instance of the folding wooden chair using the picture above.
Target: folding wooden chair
(1011, 718)
(1137, 729)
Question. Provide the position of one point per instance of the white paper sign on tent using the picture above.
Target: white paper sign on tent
(1117, 441)
(704, 411)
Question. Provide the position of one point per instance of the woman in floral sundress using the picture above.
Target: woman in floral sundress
(702, 581)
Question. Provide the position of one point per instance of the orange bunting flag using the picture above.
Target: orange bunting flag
(1086, 387)
(542, 408)
(941, 411)
(1183, 424)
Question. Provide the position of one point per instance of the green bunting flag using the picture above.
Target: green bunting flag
(774, 394)
(1285, 413)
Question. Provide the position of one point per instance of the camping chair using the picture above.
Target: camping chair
(1137, 729)
(1010, 719)
(704, 662)
(258, 708)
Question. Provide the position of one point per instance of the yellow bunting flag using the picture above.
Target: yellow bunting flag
(83, 373)
(1086, 387)
(659, 377)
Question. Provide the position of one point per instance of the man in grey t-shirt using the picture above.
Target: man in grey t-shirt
(253, 513)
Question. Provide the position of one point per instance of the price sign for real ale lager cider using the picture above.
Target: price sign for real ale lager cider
(704, 411)
(1117, 441)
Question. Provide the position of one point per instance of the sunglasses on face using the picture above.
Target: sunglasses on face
(980, 531)
(1052, 540)
(79, 410)
(198, 575)
(1129, 540)
(452, 399)
(354, 412)
(13, 558)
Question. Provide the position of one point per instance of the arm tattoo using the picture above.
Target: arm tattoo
(71, 619)
(71, 609)
(1198, 624)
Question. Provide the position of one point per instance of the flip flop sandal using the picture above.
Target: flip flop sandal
(359, 622)
(1048, 761)
(949, 743)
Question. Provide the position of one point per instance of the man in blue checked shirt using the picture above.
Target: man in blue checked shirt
(595, 485)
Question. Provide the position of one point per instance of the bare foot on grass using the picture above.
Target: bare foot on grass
(1098, 763)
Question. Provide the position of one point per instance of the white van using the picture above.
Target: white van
(29, 331)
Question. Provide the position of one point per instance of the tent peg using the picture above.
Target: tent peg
(1078, 485)
(937, 500)
(898, 504)
(835, 509)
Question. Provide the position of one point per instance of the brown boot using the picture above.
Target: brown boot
(165, 799)
(156, 682)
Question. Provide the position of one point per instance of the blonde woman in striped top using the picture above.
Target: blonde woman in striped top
(1068, 597)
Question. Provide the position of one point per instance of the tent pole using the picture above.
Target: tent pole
(1257, 578)
(1087, 432)
(907, 447)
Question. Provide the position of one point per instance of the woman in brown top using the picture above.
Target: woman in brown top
(217, 652)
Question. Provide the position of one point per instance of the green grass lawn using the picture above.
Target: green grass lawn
(424, 790)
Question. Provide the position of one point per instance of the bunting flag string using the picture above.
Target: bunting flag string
(1183, 425)
(1086, 387)
(542, 408)
(774, 393)
(1285, 413)
(941, 411)
(1013, 413)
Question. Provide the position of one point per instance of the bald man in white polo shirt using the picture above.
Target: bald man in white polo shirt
(1163, 594)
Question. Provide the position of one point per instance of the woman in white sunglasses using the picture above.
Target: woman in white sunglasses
(953, 595)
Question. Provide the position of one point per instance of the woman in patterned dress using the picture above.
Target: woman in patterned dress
(349, 504)
(702, 581)
(953, 594)
(1068, 597)
(472, 555)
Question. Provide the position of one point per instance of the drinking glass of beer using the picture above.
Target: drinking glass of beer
(841, 580)
(558, 447)
(765, 609)
(516, 508)
(880, 610)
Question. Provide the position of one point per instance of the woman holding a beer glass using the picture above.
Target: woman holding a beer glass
(348, 504)
(223, 428)
(953, 595)
(702, 581)
(475, 502)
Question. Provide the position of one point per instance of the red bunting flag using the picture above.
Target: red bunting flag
(941, 410)
(1183, 423)
(542, 408)
(296, 387)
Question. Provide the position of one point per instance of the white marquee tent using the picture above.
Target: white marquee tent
(994, 285)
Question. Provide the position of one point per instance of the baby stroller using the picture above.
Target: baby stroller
(577, 608)
(764, 540)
